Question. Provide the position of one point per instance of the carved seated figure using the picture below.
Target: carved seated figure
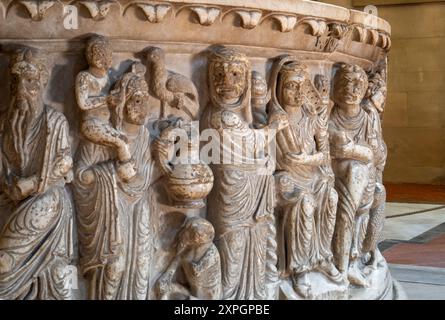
(353, 148)
(36, 243)
(197, 260)
(306, 197)
(93, 99)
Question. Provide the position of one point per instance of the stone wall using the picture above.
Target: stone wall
(414, 120)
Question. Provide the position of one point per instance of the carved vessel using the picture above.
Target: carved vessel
(176, 41)
(188, 179)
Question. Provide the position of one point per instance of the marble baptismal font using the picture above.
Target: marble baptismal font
(192, 149)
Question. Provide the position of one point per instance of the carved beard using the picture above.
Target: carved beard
(21, 120)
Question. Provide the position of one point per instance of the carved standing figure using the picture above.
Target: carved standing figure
(113, 213)
(93, 98)
(242, 200)
(36, 163)
(307, 198)
(374, 104)
(353, 146)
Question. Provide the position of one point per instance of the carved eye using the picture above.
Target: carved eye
(235, 74)
(138, 101)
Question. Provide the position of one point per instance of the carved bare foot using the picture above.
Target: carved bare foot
(356, 277)
(373, 262)
(301, 284)
(125, 170)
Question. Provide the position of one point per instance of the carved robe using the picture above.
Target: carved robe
(239, 207)
(308, 220)
(114, 221)
(360, 130)
(354, 181)
(37, 238)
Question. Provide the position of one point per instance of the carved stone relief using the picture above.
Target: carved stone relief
(115, 177)
(36, 244)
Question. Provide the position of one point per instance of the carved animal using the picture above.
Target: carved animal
(170, 87)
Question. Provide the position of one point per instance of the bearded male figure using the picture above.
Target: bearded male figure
(35, 243)
(241, 204)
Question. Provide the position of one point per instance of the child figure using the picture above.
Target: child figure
(92, 87)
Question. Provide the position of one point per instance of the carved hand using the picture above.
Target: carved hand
(354, 151)
(278, 121)
(114, 98)
(306, 159)
(63, 166)
(88, 176)
(24, 187)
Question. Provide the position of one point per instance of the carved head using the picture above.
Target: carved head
(259, 86)
(155, 54)
(292, 79)
(349, 85)
(196, 232)
(376, 92)
(99, 53)
(229, 76)
(29, 79)
(134, 105)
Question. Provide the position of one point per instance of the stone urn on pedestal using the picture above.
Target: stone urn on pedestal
(188, 180)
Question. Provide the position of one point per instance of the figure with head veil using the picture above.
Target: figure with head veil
(307, 199)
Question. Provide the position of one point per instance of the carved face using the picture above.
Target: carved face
(259, 86)
(350, 88)
(27, 84)
(136, 108)
(99, 54)
(229, 81)
(377, 93)
(198, 232)
(292, 90)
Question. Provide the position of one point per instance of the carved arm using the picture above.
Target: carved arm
(84, 101)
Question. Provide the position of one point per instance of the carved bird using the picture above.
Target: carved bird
(170, 87)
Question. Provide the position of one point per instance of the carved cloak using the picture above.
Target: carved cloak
(114, 222)
(38, 234)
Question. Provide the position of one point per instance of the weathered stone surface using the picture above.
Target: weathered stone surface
(161, 214)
